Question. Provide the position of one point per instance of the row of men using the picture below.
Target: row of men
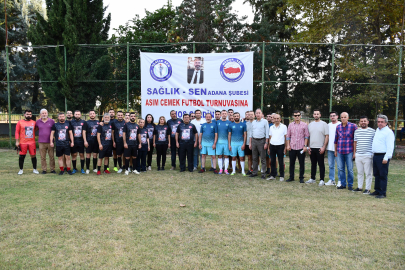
(223, 138)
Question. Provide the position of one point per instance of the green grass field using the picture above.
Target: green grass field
(136, 222)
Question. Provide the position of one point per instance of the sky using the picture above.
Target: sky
(124, 10)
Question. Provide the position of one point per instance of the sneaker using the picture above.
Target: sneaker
(281, 179)
(220, 171)
(119, 171)
(339, 184)
(310, 181)
(116, 169)
(53, 171)
(70, 172)
(129, 169)
(290, 180)
(162, 169)
(87, 171)
(95, 170)
(212, 169)
(195, 168)
(350, 188)
(82, 171)
(135, 172)
(263, 176)
(380, 196)
(249, 173)
(216, 172)
(302, 181)
(98, 172)
(366, 191)
(61, 172)
(158, 168)
(321, 183)
(35, 171)
(126, 172)
(202, 170)
(330, 183)
(149, 168)
(270, 178)
(226, 172)
(341, 187)
(233, 173)
(244, 174)
(74, 171)
(43, 172)
(107, 171)
(357, 190)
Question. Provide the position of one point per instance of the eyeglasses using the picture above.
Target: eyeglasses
(298, 115)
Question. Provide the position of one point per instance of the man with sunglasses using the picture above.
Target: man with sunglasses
(297, 142)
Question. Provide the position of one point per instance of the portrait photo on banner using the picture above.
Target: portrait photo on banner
(195, 70)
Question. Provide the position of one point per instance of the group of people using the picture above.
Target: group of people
(226, 137)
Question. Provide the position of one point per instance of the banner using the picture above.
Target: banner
(205, 81)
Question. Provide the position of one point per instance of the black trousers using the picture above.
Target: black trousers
(186, 150)
(161, 150)
(142, 153)
(380, 172)
(173, 150)
(317, 159)
(277, 150)
(301, 159)
(150, 152)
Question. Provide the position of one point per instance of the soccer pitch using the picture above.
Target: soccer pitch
(136, 221)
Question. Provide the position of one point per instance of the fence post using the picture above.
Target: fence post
(64, 52)
(8, 97)
(193, 46)
(397, 101)
(332, 74)
(127, 76)
(263, 58)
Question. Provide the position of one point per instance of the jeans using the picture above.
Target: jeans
(331, 162)
(380, 172)
(277, 150)
(345, 159)
(301, 159)
(317, 159)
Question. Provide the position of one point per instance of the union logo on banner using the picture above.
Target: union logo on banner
(160, 70)
(232, 70)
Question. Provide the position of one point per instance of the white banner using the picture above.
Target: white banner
(205, 81)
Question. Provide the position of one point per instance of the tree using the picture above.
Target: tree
(23, 95)
(72, 22)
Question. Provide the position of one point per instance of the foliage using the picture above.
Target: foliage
(70, 23)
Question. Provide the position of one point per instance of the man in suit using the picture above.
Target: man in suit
(196, 75)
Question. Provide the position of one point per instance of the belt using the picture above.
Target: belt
(258, 138)
(379, 154)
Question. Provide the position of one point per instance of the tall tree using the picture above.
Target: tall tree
(72, 22)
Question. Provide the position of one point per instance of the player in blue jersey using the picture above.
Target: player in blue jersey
(208, 140)
(237, 142)
(222, 149)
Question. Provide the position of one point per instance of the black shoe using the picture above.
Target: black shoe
(263, 176)
(61, 172)
(43, 172)
(342, 187)
(289, 180)
(202, 170)
(302, 181)
(212, 169)
(53, 171)
(190, 170)
(182, 170)
(162, 169)
(357, 190)
(158, 169)
(249, 173)
(70, 172)
(252, 175)
(375, 193)
(350, 188)
(380, 197)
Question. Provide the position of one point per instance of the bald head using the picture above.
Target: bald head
(344, 117)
